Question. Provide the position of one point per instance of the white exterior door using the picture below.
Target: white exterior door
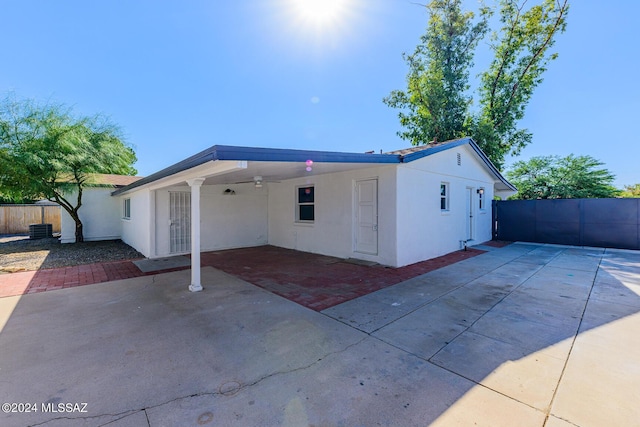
(469, 214)
(179, 222)
(366, 217)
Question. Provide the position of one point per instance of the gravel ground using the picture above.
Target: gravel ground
(19, 253)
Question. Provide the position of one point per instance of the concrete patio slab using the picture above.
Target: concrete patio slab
(479, 407)
(151, 334)
(543, 308)
(375, 310)
(382, 386)
(424, 332)
(509, 369)
(492, 343)
(527, 334)
(604, 361)
(158, 264)
(557, 422)
(627, 293)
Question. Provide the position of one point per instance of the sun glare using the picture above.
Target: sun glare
(320, 13)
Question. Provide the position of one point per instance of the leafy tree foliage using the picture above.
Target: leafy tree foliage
(554, 177)
(13, 200)
(46, 152)
(631, 191)
(437, 106)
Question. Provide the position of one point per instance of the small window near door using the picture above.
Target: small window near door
(481, 198)
(305, 204)
(444, 196)
(126, 209)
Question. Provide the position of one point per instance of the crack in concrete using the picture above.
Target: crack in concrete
(546, 411)
(573, 342)
(302, 368)
(130, 412)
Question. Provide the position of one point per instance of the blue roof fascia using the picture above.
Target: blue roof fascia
(188, 163)
(226, 152)
(230, 152)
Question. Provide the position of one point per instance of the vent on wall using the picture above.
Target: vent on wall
(459, 158)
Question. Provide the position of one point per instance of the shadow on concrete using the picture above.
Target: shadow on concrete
(509, 337)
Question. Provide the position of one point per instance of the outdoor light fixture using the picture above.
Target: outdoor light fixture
(480, 190)
(257, 180)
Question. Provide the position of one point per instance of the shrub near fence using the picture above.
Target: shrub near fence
(611, 223)
(16, 219)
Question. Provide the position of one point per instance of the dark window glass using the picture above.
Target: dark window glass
(305, 195)
(306, 213)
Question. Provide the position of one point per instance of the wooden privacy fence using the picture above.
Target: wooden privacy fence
(609, 223)
(16, 219)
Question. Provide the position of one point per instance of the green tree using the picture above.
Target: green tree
(46, 152)
(554, 177)
(437, 105)
(631, 191)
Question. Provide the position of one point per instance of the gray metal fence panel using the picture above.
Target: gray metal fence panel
(558, 221)
(613, 223)
(516, 220)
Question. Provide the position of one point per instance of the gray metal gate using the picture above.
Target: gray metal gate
(180, 222)
(612, 223)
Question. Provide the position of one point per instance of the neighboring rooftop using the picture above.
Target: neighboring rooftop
(111, 180)
(404, 151)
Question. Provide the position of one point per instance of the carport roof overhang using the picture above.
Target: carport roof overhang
(225, 164)
(273, 164)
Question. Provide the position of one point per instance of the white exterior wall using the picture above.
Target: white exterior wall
(100, 215)
(332, 232)
(424, 231)
(136, 230)
(226, 221)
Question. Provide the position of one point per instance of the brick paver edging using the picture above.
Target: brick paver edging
(321, 284)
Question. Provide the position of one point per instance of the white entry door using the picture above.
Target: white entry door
(179, 222)
(469, 212)
(366, 220)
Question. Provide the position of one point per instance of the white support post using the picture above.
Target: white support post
(195, 185)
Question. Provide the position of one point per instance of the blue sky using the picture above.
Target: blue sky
(179, 77)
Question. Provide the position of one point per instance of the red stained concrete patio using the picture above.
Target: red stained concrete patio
(315, 281)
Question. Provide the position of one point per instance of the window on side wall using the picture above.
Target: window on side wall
(126, 209)
(481, 198)
(305, 204)
(444, 196)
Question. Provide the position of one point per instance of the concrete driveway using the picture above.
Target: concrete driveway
(527, 335)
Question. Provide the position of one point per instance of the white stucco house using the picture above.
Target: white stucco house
(100, 213)
(395, 209)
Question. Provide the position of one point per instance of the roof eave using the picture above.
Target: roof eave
(491, 166)
(229, 152)
(435, 149)
(457, 143)
(188, 163)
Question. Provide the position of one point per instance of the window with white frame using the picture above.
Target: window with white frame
(305, 204)
(481, 198)
(444, 196)
(126, 209)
